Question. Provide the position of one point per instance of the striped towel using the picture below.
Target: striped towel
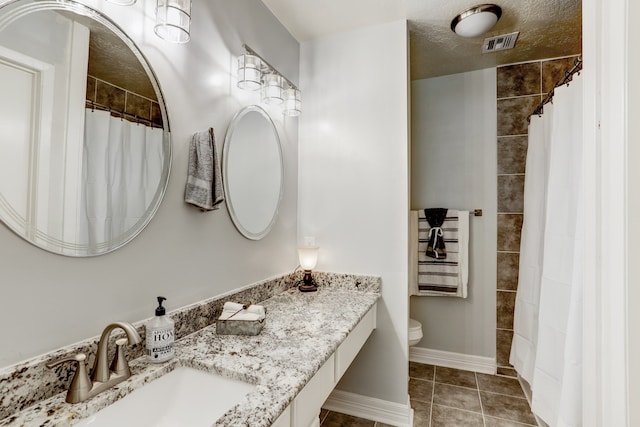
(447, 276)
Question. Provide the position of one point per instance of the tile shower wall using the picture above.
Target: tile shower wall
(520, 88)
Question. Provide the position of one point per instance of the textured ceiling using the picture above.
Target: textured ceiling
(111, 60)
(548, 29)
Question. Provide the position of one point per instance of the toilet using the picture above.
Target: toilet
(415, 332)
(415, 327)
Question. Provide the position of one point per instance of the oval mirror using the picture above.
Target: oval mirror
(85, 149)
(252, 170)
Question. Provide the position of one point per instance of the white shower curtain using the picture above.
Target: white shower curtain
(547, 343)
(122, 164)
(525, 337)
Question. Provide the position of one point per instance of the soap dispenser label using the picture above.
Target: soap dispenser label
(160, 344)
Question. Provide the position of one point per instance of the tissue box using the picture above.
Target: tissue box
(239, 327)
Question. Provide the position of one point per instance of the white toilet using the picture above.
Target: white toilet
(415, 327)
(415, 332)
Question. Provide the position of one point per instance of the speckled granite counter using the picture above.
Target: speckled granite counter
(301, 332)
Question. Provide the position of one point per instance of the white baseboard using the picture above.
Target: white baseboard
(468, 362)
(370, 408)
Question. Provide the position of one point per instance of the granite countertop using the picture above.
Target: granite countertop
(301, 332)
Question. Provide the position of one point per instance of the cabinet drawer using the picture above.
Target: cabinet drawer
(351, 346)
(306, 405)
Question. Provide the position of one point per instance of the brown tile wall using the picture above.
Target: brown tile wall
(520, 89)
(123, 101)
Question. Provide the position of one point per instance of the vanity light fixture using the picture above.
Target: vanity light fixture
(272, 89)
(477, 20)
(308, 256)
(123, 2)
(249, 72)
(255, 73)
(292, 102)
(173, 20)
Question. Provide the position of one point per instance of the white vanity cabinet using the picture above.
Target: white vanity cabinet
(304, 411)
(284, 420)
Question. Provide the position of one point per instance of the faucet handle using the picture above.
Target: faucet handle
(80, 384)
(119, 365)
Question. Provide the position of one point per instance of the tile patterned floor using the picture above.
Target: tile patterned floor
(445, 397)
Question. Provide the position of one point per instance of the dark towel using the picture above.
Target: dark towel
(435, 245)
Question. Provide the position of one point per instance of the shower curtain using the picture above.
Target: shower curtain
(547, 343)
(122, 164)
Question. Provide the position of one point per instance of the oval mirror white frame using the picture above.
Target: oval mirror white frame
(31, 230)
(253, 172)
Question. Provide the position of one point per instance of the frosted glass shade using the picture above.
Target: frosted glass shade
(249, 72)
(308, 257)
(477, 20)
(272, 89)
(173, 20)
(292, 102)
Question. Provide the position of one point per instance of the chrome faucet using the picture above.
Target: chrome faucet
(103, 376)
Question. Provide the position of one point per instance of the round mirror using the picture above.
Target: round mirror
(85, 149)
(252, 169)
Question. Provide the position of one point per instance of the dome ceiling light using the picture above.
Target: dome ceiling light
(476, 21)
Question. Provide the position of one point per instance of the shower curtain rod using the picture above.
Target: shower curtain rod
(577, 67)
(95, 106)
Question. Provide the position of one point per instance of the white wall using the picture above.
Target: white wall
(610, 332)
(353, 196)
(48, 301)
(453, 165)
(633, 180)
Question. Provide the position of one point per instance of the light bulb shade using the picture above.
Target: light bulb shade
(173, 20)
(123, 2)
(249, 72)
(272, 89)
(476, 21)
(292, 102)
(308, 257)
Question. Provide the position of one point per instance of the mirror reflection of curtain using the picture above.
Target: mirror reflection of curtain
(122, 165)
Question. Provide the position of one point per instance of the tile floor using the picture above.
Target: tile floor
(445, 397)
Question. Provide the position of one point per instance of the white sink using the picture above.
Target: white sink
(184, 397)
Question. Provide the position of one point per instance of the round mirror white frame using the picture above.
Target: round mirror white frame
(26, 209)
(253, 172)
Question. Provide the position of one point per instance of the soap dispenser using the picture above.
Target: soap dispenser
(160, 335)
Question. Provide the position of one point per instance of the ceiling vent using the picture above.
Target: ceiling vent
(505, 41)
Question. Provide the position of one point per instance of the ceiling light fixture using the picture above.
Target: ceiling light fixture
(476, 21)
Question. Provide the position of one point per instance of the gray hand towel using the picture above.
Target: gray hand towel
(204, 182)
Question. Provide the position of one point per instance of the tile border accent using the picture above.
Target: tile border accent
(447, 359)
(370, 408)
